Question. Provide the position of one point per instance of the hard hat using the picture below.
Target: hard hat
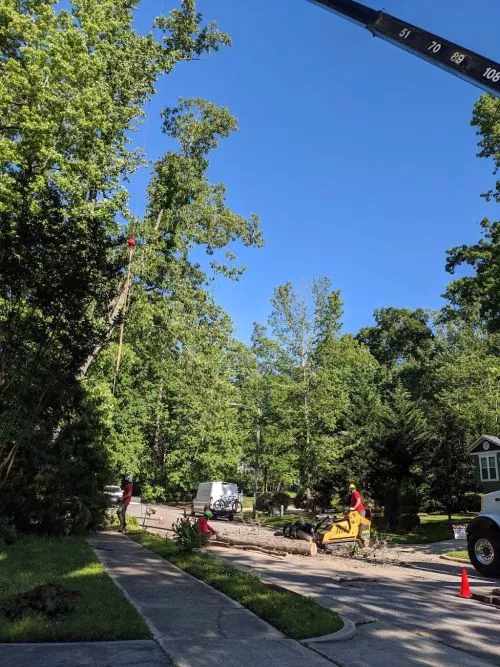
(129, 478)
(352, 486)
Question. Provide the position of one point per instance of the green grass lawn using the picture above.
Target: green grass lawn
(433, 528)
(296, 616)
(458, 554)
(247, 502)
(102, 612)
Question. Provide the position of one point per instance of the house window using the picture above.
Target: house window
(488, 467)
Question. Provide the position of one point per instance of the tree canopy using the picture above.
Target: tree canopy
(115, 357)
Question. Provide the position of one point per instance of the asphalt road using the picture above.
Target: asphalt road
(422, 598)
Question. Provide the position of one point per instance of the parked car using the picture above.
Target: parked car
(483, 536)
(210, 493)
(114, 494)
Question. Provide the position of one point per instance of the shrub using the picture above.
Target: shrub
(409, 522)
(473, 501)
(271, 502)
(323, 491)
(7, 532)
(379, 524)
(263, 502)
(330, 491)
(59, 489)
(281, 498)
(431, 506)
(300, 500)
(50, 599)
(188, 535)
(152, 494)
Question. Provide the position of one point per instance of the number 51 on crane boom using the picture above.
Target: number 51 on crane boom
(455, 59)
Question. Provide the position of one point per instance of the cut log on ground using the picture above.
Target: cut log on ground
(298, 547)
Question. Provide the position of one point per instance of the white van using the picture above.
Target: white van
(210, 492)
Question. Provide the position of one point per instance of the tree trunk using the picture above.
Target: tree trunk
(115, 309)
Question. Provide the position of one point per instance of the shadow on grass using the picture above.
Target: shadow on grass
(102, 613)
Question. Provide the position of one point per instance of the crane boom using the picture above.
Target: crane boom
(466, 64)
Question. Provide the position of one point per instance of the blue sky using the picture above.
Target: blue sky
(358, 157)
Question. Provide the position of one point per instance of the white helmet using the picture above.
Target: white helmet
(129, 478)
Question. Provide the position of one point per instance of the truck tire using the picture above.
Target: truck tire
(484, 551)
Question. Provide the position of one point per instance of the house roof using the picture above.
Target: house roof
(490, 438)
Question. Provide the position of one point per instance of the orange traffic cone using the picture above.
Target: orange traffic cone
(465, 588)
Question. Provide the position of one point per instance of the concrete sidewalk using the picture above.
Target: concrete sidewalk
(193, 623)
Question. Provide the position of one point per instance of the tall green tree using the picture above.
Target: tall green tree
(272, 415)
(402, 341)
(348, 399)
(73, 86)
(479, 293)
(463, 382)
(400, 449)
(179, 355)
(476, 295)
(452, 472)
(299, 329)
(326, 385)
(74, 81)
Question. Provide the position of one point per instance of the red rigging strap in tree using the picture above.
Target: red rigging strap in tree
(131, 241)
(468, 65)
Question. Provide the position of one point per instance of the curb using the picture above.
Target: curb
(346, 632)
(487, 599)
(464, 561)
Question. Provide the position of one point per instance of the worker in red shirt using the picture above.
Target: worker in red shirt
(125, 502)
(204, 526)
(356, 501)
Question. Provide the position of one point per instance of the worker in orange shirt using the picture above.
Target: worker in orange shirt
(356, 501)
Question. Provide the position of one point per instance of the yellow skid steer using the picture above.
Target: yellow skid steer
(346, 528)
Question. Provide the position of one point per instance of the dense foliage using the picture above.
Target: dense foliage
(116, 359)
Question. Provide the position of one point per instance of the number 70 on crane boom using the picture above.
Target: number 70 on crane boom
(455, 59)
